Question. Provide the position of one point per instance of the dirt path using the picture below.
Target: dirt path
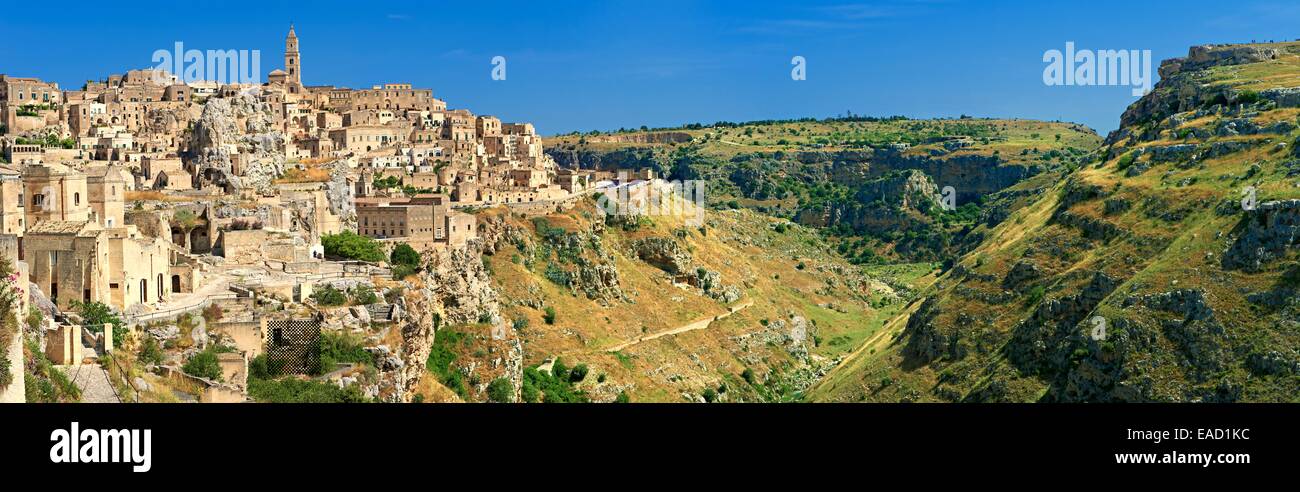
(698, 324)
(93, 382)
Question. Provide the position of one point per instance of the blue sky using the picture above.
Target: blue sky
(607, 64)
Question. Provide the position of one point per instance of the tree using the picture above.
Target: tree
(578, 373)
(404, 254)
(94, 315)
(501, 391)
(350, 245)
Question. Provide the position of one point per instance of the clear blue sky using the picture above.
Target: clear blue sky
(607, 64)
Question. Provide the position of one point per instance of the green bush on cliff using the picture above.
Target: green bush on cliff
(350, 245)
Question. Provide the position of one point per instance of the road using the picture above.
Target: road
(698, 324)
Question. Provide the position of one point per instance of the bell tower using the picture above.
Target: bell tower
(292, 61)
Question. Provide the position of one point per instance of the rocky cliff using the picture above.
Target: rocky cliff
(239, 125)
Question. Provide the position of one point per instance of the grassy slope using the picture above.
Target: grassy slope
(744, 247)
(1171, 239)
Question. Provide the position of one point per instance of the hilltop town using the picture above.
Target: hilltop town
(154, 199)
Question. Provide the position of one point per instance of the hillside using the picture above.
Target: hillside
(874, 184)
(742, 308)
(1146, 275)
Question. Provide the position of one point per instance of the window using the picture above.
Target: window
(76, 199)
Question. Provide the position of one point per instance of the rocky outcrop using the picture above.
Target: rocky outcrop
(1206, 56)
(925, 341)
(628, 158)
(461, 286)
(1021, 274)
(1039, 343)
(1265, 235)
(1194, 328)
(664, 253)
(239, 125)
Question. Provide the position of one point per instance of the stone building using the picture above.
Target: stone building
(78, 246)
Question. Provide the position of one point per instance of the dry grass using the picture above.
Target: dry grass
(154, 196)
(310, 174)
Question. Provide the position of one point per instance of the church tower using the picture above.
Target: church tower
(292, 62)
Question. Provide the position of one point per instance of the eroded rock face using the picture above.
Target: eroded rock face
(1021, 275)
(664, 253)
(1040, 342)
(1206, 56)
(926, 341)
(1269, 231)
(456, 289)
(342, 198)
(239, 125)
(459, 284)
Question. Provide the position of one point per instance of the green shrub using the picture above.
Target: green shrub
(150, 352)
(548, 315)
(364, 295)
(327, 295)
(501, 391)
(441, 357)
(1126, 160)
(339, 347)
(558, 275)
(528, 393)
(203, 365)
(291, 390)
(553, 388)
(404, 254)
(94, 315)
(578, 373)
(402, 271)
(350, 245)
(1035, 295)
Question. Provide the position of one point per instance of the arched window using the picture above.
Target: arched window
(76, 199)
